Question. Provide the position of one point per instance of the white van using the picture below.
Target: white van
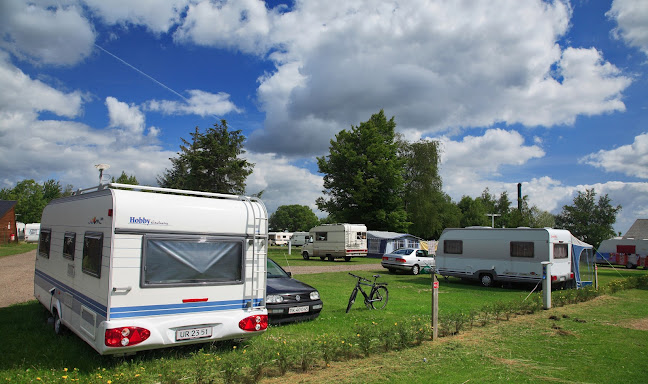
(505, 254)
(32, 231)
(331, 241)
(299, 239)
(130, 268)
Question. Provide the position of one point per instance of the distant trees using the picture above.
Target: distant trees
(125, 179)
(363, 176)
(210, 162)
(31, 198)
(587, 219)
(293, 218)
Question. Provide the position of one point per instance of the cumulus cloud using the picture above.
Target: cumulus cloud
(129, 122)
(157, 16)
(199, 103)
(59, 36)
(631, 160)
(631, 16)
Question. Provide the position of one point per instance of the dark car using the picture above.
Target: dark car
(288, 299)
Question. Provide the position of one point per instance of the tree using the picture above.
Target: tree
(293, 218)
(363, 176)
(426, 204)
(30, 200)
(125, 179)
(590, 221)
(472, 212)
(210, 162)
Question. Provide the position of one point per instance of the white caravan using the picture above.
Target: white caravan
(505, 254)
(624, 251)
(130, 268)
(299, 239)
(331, 241)
(279, 238)
(31, 232)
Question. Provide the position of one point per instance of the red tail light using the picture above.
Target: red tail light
(554, 278)
(385, 258)
(571, 275)
(400, 260)
(254, 323)
(126, 336)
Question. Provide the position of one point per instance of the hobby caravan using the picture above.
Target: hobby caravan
(506, 254)
(130, 268)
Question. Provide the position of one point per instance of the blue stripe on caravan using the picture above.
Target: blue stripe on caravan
(174, 309)
(78, 296)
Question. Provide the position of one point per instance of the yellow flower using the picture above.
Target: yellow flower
(64, 377)
(38, 379)
(65, 369)
(358, 335)
(395, 323)
(137, 375)
(109, 381)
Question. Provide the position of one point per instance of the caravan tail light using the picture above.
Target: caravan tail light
(254, 323)
(571, 275)
(554, 278)
(126, 336)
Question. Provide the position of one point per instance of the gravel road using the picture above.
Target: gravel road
(17, 275)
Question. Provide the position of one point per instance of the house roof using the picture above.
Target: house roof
(5, 206)
(387, 235)
(639, 230)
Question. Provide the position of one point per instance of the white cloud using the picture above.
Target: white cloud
(129, 122)
(282, 182)
(631, 16)
(60, 36)
(158, 16)
(199, 103)
(631, 160)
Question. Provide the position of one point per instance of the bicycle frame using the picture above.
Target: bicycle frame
(368, 298)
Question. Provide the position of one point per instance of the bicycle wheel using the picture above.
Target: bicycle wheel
(352, 299)
(379, 297)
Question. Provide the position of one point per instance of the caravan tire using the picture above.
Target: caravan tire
(59, 328)
(305, 255)
(486, 280)
(322, 258)
(331, 258)
(629, 265)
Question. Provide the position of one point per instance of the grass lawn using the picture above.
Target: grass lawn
(16, 249)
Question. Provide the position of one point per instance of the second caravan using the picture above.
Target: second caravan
(331, 241)
(506, 254)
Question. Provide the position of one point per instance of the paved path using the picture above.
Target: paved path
(17, 278)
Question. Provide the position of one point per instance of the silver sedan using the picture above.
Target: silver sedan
(408, 259)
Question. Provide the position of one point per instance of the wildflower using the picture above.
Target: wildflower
(65, 369)
(64, 377)
(137, 375)
(38, 379)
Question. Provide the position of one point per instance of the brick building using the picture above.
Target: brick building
(8, 221)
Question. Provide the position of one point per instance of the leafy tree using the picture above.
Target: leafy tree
(472, 212)
(125, 179)
(293, 218)
(30, 200)
(363, 176)
(210, 162)
(588, 220)
(51, 190)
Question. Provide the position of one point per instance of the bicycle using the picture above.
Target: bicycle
(378, 296)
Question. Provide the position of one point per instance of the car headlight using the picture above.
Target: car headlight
(274, 299)
(314, 295)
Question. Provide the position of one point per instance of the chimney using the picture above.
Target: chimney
(520, 197)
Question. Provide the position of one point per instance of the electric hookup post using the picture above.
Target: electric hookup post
(435, 307)
(546, 284)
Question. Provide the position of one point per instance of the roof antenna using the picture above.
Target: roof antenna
(101, 168)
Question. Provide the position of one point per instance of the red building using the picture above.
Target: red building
(8, 231)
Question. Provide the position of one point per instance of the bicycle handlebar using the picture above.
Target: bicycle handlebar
(368, 281)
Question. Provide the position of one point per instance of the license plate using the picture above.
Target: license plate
(292, 310)
(193, 333)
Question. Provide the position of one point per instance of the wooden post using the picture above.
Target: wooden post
(435, 307)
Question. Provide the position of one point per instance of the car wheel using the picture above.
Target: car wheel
(347, 258)
(391, 270)
(416, 269)
(59, 328)
(305, 255)
(486, 280)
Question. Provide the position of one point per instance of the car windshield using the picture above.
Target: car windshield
(274, 270)
(403, 251)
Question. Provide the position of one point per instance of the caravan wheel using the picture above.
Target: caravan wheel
(305, 255)
(59, 328)
(486, 280)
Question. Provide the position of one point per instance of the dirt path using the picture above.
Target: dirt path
(17, 278)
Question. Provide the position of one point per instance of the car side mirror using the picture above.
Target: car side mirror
(289, 274)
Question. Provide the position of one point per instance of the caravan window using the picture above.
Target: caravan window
(453, 246)
(561, 251)
(69, 241)
(361, 235)
(92, 253)
(172, 261)
(321, 236)
(522, 249)
(44, 243)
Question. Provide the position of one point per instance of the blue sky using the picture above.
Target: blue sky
(550, 94)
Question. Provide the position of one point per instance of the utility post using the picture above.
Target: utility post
(492, 216)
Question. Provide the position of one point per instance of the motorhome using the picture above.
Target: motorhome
(299, 239)
(279, 238)
(506, 254)
(331, 241)
(623, 251)
(32, 231)
(130, 268)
